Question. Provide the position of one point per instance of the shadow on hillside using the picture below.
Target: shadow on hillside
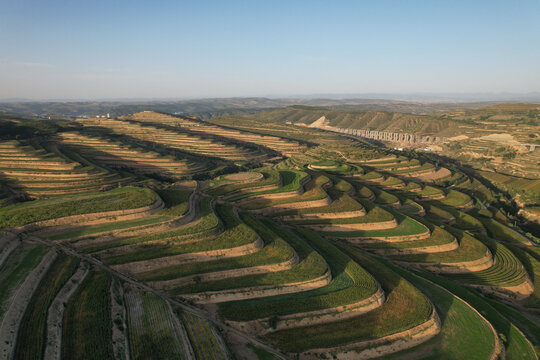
(211, 162)
(10, 192)
(115, 162)
(209, 135)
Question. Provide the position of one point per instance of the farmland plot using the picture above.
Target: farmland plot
(87, 327)
(153, 333)
(207, 343)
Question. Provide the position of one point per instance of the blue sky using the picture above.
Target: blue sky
(187, 49)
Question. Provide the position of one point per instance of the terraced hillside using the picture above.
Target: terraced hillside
(119, 155)
(33, 170)
(502, 139)
(335, 249)
(374, 120)
(180, 138)
(279, 144)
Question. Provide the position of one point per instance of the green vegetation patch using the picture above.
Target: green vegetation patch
(385, 198)
(325, 163)
(95, 229)
(502, 232)
(364, 192)
(117, 199)
(290, 181)
(311, 265)
(207, 223)
(345, 169)
(176, 201)
(152, 330)
(469, 249)
(203, 340)
(372, 175)
(507, 270)
(236, 234)
(517, 346)
(410, 207)
(32, 335)
(17, 267)
(430, 191)
(412, 187)
(275, 250)
(262, 354)
(455, 198)
(437, 213)
(374, 214)
(529, 189)
(271, 177)
(391, 181)
(406, 227)
(350, 284)
(438, 237)
(412, 170)
(474, 340)
(404, 308)
(87, 326)
(341, 202)
(465, 221)
(313, 191)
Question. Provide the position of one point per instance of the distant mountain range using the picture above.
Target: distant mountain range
(206, 108)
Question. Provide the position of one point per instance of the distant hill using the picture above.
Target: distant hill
(207, 108)
(499, 112)
(372, 120)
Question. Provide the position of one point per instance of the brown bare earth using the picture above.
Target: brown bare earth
(245, 176)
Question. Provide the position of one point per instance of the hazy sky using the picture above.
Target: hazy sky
(176, 49)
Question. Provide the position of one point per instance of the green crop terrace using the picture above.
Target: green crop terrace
(275, 250)
(68, 205)
(235, 233)
(311, 264)
(350, 283)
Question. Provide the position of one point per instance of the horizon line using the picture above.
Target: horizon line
(387, 96)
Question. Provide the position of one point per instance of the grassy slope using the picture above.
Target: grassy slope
(475, 340)
(271, 177)
(517, 346)
(341, 202)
